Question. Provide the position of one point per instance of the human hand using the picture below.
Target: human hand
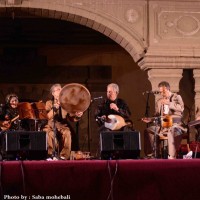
(114, 106)
(146, 120)
(165, 101)
(79, 114)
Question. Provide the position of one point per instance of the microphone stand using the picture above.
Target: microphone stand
(54, 153)
(88, 127)
(89, 114)
(147, 108)
(77, 134)
(89, 131)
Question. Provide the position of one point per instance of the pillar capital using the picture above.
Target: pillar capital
(172, 76)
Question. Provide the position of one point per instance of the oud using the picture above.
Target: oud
(114, 122)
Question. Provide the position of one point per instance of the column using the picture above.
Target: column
(196, 75)
(172, 76)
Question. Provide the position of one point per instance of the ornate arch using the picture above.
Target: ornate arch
(99, 16)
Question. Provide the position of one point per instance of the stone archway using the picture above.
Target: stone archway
(122, 22)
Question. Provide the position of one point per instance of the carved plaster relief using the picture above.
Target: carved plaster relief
(178, 25)
(131, 15)
(173, 23)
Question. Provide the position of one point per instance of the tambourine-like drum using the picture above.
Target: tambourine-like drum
(74, 97)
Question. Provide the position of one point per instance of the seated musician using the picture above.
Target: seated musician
(9, 113)
(168, 106)
(113, 106)
(57, 129)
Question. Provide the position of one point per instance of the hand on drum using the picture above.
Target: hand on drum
(75, 117)
(78, 114)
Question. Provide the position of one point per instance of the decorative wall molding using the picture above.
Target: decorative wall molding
(169, 62)
(174, 29)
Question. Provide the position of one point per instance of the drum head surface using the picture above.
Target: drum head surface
(74, 98)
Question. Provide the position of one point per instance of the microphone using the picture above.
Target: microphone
(97, 98)
(151, 92)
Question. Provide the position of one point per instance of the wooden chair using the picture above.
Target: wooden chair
(164, 144)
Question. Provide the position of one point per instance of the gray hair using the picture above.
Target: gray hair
(54, 86)
(114, 86)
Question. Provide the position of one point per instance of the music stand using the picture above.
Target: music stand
(54, 153)
(147, 108)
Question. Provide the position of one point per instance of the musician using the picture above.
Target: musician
(113, 105)
(171, 105)
(57, 129)
(9, 113)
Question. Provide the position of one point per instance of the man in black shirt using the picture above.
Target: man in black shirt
(113, 113)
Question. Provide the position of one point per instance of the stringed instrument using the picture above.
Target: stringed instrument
(114, 122)
(165, 121)
(7, 126)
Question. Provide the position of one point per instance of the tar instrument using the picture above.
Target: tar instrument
(6, 127)
(74, 98)
(165, 121)
(114, 122)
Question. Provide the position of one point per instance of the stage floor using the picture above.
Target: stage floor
(101, 179)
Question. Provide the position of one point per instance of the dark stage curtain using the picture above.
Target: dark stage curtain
(99, 180)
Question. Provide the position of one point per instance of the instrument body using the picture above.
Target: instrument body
(8, 125)
(74, 98)
(114, 122)
(165, 121)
